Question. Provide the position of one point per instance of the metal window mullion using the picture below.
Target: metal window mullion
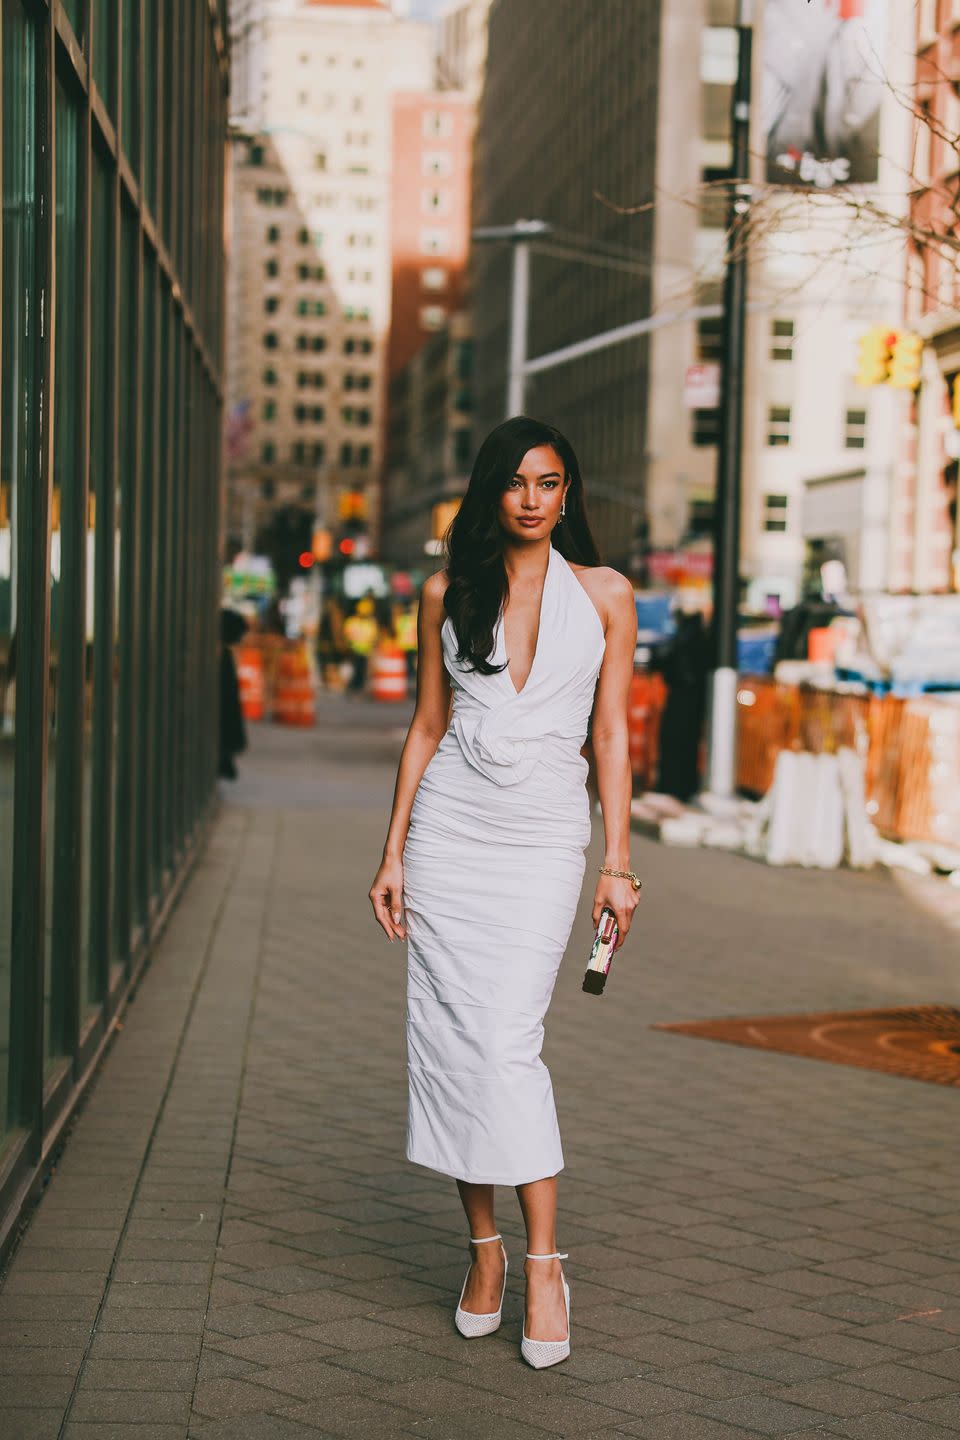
(33, 642)
(71, 705)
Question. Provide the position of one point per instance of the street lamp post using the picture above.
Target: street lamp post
(726, 551)
(520, 233)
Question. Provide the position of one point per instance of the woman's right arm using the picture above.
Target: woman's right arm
(427, 728)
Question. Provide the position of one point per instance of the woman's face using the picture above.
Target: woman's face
(530, 501)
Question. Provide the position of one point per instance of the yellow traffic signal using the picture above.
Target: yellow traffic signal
(905, 361)
(352, 505)
(874, 355)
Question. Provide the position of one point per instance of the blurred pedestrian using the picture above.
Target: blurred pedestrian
(684, 666)
(233, 731)
(361, 631)
(405, 629)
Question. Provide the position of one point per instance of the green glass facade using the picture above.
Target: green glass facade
(114, 119)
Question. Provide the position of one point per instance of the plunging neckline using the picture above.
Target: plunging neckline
(536, 646)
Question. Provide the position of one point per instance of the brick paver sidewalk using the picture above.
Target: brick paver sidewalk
(233, 1247)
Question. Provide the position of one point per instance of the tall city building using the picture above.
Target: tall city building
(311, 272)
(111, 408)
(821, 468)
(462, 46)
(592, 127)
(430, 242)
(927, 530)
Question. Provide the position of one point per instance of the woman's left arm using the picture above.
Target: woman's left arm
(609, 736)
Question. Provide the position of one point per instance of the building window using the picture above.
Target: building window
(709, 338)
(319, 343)
(270, 341)
(432, 317)
(299, 452)
(778, 425)
(437, 124)
(269, 453)
(269, 410)
(435, 202)
(462, 448)
(273, 233)
(775, 512)
(433, 277)
(303, 235)
(855, 430)
(438, 163)
(434, 240)
(271, 304)
(782, 336)
(319, 453)
(320, 160)
(255, 155)
(363, 455)
(346, 454)
(272, 267)
(705, 427)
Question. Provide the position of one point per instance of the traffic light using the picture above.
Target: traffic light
(905, 361)
(352, 505)
(873, 359)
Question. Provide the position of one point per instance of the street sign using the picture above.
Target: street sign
(701, 386)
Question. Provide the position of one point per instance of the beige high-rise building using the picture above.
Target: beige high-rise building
(311, 275)
(462, 46)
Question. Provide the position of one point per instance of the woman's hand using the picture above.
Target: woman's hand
(620, 896)
(386, 897)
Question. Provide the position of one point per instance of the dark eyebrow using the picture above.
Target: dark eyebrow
(547, 475)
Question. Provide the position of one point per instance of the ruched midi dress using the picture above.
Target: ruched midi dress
(493, 867)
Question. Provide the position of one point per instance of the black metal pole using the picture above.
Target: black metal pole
(729, 460)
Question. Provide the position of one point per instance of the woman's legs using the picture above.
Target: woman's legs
(485, 1284)
(546, 1314)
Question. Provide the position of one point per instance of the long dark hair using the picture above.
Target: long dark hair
(473, 542)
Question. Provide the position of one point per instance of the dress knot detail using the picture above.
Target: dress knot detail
(504, 758)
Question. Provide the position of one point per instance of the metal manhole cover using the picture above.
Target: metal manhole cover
(922, 1043)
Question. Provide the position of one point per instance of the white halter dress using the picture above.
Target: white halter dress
(493, 869)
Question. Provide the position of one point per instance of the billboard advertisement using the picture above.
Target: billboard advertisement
(823, 84)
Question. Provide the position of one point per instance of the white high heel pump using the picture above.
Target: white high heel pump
(541, 1353)
(466, 1322)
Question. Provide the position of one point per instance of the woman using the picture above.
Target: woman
(484, 858)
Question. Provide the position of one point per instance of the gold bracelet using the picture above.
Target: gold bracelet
(624, 875)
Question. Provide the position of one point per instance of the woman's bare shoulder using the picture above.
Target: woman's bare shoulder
(432, 593)
(434, 587)
(610, 590)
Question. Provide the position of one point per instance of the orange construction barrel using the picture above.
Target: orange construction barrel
(295, 694)
(250, 678)
(822, 643)
(388, 680)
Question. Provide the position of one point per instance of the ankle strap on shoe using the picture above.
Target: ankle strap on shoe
(556, 1255)
(486, 1239)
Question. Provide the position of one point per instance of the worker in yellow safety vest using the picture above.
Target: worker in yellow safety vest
(361, 631)
(405, 630)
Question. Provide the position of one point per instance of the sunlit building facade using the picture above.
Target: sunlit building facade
(110, 416)
(311, 273)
